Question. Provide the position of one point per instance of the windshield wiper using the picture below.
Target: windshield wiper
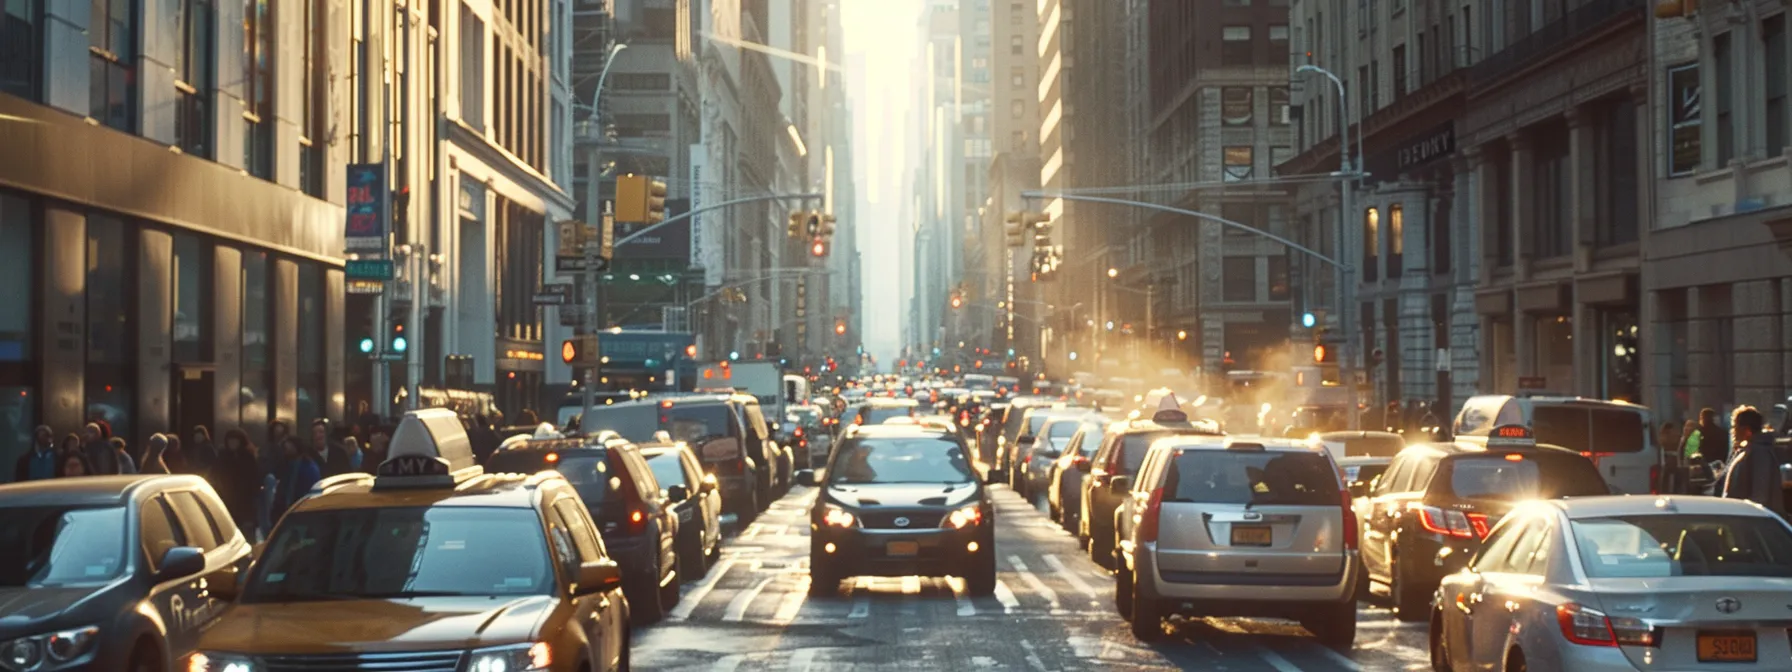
(403, 594)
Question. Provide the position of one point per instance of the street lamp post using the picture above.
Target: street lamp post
(594, 211)
(1346, 274)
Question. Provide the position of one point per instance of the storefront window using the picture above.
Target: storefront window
(311, 343)
(110, 328)
(192, 312)
(258, 374)
(17, 266)
(1555, 352)
(18, 417)
(1620, 363)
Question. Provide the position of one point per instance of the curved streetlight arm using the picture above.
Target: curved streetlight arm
(1191, 213)
(604, 74)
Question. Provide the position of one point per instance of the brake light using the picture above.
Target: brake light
(1590, 627)
(1154, 507)
(637, 522)
(1655, 479)
(799, 431)
(1350, 530)
(1450, 523)
(1478, 522)
(1078, 461)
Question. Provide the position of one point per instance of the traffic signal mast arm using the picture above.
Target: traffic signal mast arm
(715, 206)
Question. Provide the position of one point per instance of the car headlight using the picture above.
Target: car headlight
(835, 516)
(204, 661)
(968, 516)
(513, 658)
(48, 651)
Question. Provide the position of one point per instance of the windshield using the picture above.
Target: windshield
(1654, 546)
(401, 552)
(1589, 430)
(877, 415)
(1530, 477)
(61, 546)
(667, 469)
(636, 422)
(588, 473)
(905, 460)
(1268, 478)
(695, 423)
(1370, 446)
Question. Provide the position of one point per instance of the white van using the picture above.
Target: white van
(1615, 435)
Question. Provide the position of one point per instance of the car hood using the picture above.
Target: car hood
(903, 494)
(25, 611)
(365, 626)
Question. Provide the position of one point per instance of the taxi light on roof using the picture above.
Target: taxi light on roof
(666, 404)
(1514, 457)
(1512, 432)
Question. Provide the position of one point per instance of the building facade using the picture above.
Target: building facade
(171, 216)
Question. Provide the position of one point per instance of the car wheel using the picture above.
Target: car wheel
(1147, 620)
(1334, 625)
(649, 610)
(144, 659)
(623, 661)
(982, 581)
(824, 580)
(669, 589)
(1123, 593)
(1411, 603)
(1515, 661)
(1440, 644)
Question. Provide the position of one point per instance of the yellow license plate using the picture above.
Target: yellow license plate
(1251, 535)
(899, 549)
(1736, 647)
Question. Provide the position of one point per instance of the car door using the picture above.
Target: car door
(1378, 518)
(179, 602)
(1095, 495)
(209, 527)
(1480, 599)
(658, 506)
(571, 531)
(707, 500)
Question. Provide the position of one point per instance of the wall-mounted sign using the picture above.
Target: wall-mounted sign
(1684, 149)
(368, 269)
(359, 286)
(369, 207)
(1429, 146)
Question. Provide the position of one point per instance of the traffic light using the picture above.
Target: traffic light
(580, 350)
(366, 345)
(818, 248)
(1014, 229)
(640, 199)
(840, 327)
(399, 342)
(656, 201)
(794, 229)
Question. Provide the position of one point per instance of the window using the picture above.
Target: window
(1015, 45)
(472, 68)
(1502, 205)
(1239, 280)
(1399, 71)
(1685, 152)
(1238, 163)
(1773, 49)
(192, 300)
(1661, 546)
(1371, 244)
(1278, 277)
(1279, 33)
(311, 100)
(1617, 216)
(311, 343)
(21, 47)
(1016, 108)
(1235, 45)
(193, 78)
(258, 347)
(201, 531)
(112, 44)
(1366, 98)
(642, 81)
(1549, 233)
(1278, 106)
(158, 531)
(1440, 237)
(1018, 77)
(1396, 239)
(18, 261)
(258, 89)
(1722, 63)
(1279, 156)
(1235, 105)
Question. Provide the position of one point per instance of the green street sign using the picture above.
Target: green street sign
(368, 269)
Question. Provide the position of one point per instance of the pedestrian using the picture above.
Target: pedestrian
(152, 462)
(376, 450)
(1708, 439)
(175, 455)
(1754, 474)
(237, 477)
(70, 443)
(352, 446)
(529, 418)
(39, 462)
(1686, 446)
(305, 469)
(483, 438)
(274, 470)
(332, 457)
(100, 457)
(74, 464)
(121, 457)
(201, 454)
(1670, 436)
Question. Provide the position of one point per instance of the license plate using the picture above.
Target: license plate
(902, 549)
(1251, 535)
(1727, 647)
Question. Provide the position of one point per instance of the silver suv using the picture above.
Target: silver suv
(1237, 526)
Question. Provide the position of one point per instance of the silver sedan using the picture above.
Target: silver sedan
(1622, 583)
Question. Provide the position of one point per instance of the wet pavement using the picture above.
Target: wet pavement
(1052, 610)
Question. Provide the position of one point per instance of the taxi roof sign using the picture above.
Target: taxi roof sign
(429, 449)
(1511, 435)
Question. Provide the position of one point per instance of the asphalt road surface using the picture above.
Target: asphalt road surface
(1052, 610)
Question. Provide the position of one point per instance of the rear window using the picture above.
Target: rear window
(1257, 478)
(1532, 477)
(1373, 447)
(1034, 422)
(589, 473)
(1133, 449)
(694, 424)
(1655, 546)
(876, 415)
(1589, 430)
(635, 423)
(1364, 473)
(667, 469)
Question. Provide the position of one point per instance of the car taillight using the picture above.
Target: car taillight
(799, 432)
(1655, 479)
(1350, 530)
(1445, 522)
(1078, 461)
(637, 522)
(1590, 627)
(1478, 522)
(1154, 507)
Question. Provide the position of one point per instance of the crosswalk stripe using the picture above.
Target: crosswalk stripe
(690, 601)
(737, 607)
(1033, 582)
(965, 606)
(1341, 660)
(1005, 596)
(1275, 660)
(729, 663)
(792, 604)
(861, 601)
(802, 660)
(1072, 577)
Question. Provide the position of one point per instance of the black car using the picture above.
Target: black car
(700, 512)
(637, 520)
(727, 432)
(111, 572)
(898, 501)
(1122, 450)
(1427, 514)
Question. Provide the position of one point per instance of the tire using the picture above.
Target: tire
(1334, 625)
(144, 659)
(1147, 620)
(982, 580)
(1515, 661)
(1123, 593)
(824, 581)
(668, 592)
(625, 662)
(648, 610)
(1101, 549)
(1411, 604)
(1439, 644)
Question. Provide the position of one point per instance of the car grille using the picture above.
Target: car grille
(886, 520)
(419, 661)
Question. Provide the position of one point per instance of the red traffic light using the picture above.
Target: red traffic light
(1319, 353)
(819, 249)
(840, 328)
(569, 351)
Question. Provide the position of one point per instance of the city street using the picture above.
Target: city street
(1052, 611)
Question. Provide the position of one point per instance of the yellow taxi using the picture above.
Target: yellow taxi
(430, 564)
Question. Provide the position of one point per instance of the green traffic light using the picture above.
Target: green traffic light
(367, 346)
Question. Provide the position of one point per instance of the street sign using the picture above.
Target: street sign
(369, 269)
(557, 294)
(570, 264)
(361, 286)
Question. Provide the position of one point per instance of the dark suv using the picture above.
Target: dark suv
(639, 522)
(1122, 450)
(901, 500)
(727, 432)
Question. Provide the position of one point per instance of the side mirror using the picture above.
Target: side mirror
(678, 493)
(180, 562)
(806, 478)
(598, 576)
(1084, 466)
(1120, 484)
(995, 475)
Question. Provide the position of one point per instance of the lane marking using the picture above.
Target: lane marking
(861, 599)
(1072, 577)
(965, 607)
(1274, 659)
(752, 531)
(695, 597)
(728, 663)
(737, 607)
(1005, 596)
(1034, 583)
(1340, 659)
(792, 604)
(802, 660)
(1032, 656)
